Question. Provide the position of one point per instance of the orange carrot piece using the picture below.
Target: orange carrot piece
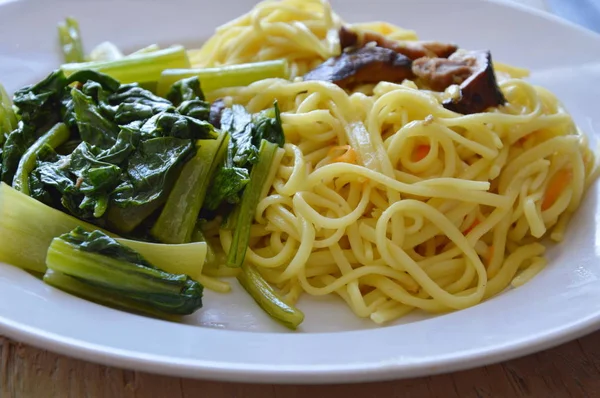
(470, 228)
(349, 155)
(420, 152)
(557, 184)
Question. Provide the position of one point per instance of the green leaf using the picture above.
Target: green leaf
(185, 90)
(94, 128)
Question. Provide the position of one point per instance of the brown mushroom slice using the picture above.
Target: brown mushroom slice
(440, 73)
(480, 90)
(412, 49)
(363, 66)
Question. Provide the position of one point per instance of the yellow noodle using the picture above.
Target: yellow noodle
(386, 232)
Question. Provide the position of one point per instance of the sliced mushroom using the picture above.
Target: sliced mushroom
(216, 110)
(440, 73)
(480, 90)
(412, 49)
(362, 66)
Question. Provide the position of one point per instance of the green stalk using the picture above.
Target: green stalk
(187, 259)
(8, 119)
(124, 280)
(225, 76)
(140, 68)
(27, 228)
(105, 51)
(268, 299)
(147, 49)
(178, 218)
(99, 296)
(55, 137)
(70, 40)
(250, 198)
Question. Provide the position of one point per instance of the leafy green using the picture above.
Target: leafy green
(247, 131)
(94, 128)
(268, 127)
(147, 181)
(226, 186)
(97, 260)
(38, 107)
(53, 138)
(167, 124)
(185, 90)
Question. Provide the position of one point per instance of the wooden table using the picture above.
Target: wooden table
(570, 370)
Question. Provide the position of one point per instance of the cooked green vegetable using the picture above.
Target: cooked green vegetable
(27, 227)
(39, 108)
(94, 152)
(147, 49)
(268, 299)
(225, 76)
(97, 260)
(178, 218)
(149, 178)
(53, 138)
(250, 199)
(141, 67)
(105, 51)
(8, 120)
(187, 258)
(70, 40)
(246, 131)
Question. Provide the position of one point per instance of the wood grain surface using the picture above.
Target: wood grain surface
(570, 370)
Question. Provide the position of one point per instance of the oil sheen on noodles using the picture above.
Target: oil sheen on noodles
(387, 198)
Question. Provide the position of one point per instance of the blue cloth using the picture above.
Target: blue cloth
(583, 12)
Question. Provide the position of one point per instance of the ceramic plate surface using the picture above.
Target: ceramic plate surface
(231, 338)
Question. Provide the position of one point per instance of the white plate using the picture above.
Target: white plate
(231, 339)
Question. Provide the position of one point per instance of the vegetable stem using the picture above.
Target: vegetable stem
(178, 218)
(27, 228)
(85, 291)
(98, 260)
(268, 299)
(225, 76)
(140, 68)
(250, 198)
(55, 137)
(70, 40)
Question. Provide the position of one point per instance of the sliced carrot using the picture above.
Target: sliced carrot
(349, 155)
(420, 152)
(473, 225)
(556, 186)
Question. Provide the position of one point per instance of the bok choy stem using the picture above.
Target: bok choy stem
(27, 228)
(70, 40)
(178, 218)
(137, 68)
(225, 76)
(250, 198)
(268, 299)
(95, 259)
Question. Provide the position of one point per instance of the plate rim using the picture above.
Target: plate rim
(313, 374)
